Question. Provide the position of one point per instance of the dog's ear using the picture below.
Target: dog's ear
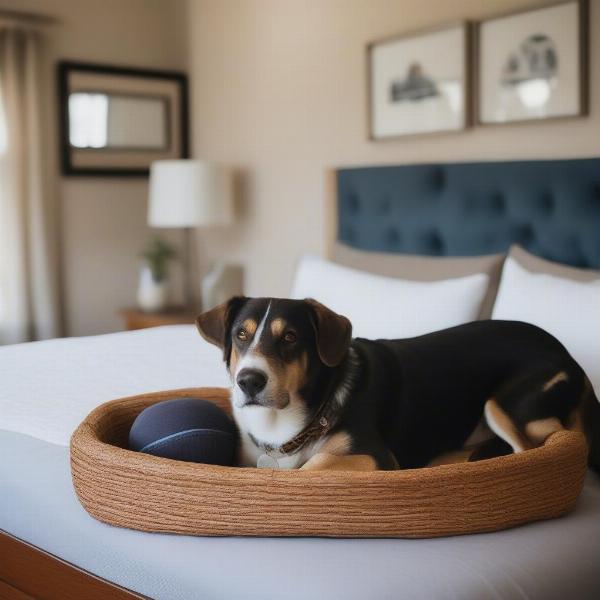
(333, 333)
(215, 325)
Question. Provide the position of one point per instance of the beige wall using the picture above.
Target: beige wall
(102, 220)
(279, 91)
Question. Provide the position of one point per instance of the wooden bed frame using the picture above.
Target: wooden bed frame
(28, 572)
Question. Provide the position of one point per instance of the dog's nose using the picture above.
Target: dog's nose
(252, 381)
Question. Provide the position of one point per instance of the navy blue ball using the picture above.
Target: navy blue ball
(187, 429)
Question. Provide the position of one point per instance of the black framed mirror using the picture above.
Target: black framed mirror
(117, 121)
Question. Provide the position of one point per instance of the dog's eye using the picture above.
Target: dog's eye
(242, 335)
(289, 337)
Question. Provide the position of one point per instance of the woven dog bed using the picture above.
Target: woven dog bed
(145, 492)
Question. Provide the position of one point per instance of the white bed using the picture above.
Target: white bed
(442, 210)
(48, 387)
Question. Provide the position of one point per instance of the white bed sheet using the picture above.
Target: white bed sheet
(47, 388)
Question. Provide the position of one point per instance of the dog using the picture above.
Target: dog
(305, 394)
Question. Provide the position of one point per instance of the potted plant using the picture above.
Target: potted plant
(153, 290)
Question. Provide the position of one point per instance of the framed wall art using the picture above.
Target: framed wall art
(418, 83)
(533, 65)
(116, 121)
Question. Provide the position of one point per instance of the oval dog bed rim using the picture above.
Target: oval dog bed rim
(146, 492)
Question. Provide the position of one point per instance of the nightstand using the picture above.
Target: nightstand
(135, 318)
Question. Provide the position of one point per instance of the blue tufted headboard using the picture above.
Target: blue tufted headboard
(552, 208)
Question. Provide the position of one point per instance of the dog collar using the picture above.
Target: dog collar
(323, 421)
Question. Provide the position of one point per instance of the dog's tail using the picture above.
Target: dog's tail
(593, 427)
(591, 423)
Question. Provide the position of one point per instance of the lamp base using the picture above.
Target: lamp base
(189, 300)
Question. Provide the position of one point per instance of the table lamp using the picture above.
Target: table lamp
(187, 194)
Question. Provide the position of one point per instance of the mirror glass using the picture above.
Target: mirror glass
(121, 122)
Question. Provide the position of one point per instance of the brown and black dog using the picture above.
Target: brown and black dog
(307, 395)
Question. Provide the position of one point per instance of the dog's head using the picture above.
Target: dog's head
(276, 350)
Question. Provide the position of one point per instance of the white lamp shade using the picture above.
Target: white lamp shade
(189, 193)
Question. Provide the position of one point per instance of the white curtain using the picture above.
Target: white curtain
(28, 285)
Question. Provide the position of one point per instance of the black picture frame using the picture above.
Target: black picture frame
(65, 68)
(466, 26)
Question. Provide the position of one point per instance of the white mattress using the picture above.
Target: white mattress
(48, 387)
(551, 560)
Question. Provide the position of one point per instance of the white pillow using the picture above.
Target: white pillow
(385, 307)
(569, 310)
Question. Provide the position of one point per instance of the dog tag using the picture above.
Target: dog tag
(267, 462)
